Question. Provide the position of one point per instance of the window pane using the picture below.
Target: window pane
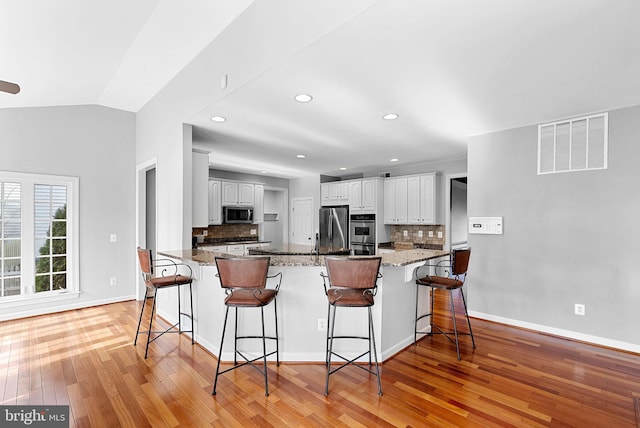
(12, 286)
(59, 281)
(59, 246)
(42, 283)
(10, 243)
(11, 267)
(11, 248)
(43, 265)
(59, 264)
(43, 247)
(59, 228)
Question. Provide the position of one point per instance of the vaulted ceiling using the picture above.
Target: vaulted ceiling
(449, 69)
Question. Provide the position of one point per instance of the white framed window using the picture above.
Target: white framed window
(38, 237)
(578, 144)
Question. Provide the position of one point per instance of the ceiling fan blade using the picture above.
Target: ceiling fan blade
(9, 87)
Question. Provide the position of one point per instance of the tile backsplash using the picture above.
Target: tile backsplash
(413, 234)
(226, 231)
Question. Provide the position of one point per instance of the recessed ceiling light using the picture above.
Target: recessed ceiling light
(303, 98)
(263, 172)
(218, 119)
(342, 168)
(390, 116)
(301, 156)
(394, 160)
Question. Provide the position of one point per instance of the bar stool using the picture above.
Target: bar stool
(169, 278)
(351, 282)
(245, 283)
(457, 269)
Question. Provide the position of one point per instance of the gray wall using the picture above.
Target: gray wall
(568, 238)
(96, 144)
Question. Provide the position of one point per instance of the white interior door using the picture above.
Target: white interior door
(302, 221)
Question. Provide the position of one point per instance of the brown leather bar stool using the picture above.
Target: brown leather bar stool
(351, 283)
(457, 273)
(168, 278)
(245, 282)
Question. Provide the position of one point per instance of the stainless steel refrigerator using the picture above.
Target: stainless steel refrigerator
(334, 227)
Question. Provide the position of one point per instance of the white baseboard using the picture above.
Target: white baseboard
(596, 340)
(68, 307)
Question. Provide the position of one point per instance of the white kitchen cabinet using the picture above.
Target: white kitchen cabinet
(334, 193)
(199, 177)
(363, 195)
(215, 202)
(237, 193)
(395, 200)
(422, 199)
(258, 204)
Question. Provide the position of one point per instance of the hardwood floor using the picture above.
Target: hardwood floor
(514, 377)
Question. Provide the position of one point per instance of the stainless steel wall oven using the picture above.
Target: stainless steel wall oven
(362, 234)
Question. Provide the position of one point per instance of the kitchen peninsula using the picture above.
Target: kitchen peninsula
(302, 304)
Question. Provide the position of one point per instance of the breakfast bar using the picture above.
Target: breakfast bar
(302, 304)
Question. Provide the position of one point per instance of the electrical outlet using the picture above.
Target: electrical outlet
(254, 231)
(113, 237)
(205, 232)
(439, 235)
(579, 309)
(405, 233)
(113, 281)
(419, 234)
(431, 234)
(322, 324)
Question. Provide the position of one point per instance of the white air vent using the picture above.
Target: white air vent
(573, 145)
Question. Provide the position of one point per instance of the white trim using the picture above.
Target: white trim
(596, 340)
(447, 207)
(141, 215)
(69, 307)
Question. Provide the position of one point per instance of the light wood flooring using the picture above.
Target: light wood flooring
(86, 358)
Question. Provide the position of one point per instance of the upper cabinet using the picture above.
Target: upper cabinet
(395, 200)
(200, 199)
(215, 202)
(422, 190)
(334, 193)
(238, 193)
(258, 204)
(364, 195)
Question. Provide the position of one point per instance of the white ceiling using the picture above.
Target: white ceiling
(450, 69)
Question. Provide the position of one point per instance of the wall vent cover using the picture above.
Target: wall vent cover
(573, 145)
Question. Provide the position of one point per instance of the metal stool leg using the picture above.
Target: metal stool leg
(224, 329)
(375, 352)
(455, 327)
(332, 325)
(264, 354)
(466, 314)
(144, 303)
(193, 330)
(275, 310)
(153, 310)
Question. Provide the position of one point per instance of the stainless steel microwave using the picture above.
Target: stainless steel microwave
(238, 214)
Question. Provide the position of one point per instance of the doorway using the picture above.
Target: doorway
(302, 221)
(146, 213)
(456, 211)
